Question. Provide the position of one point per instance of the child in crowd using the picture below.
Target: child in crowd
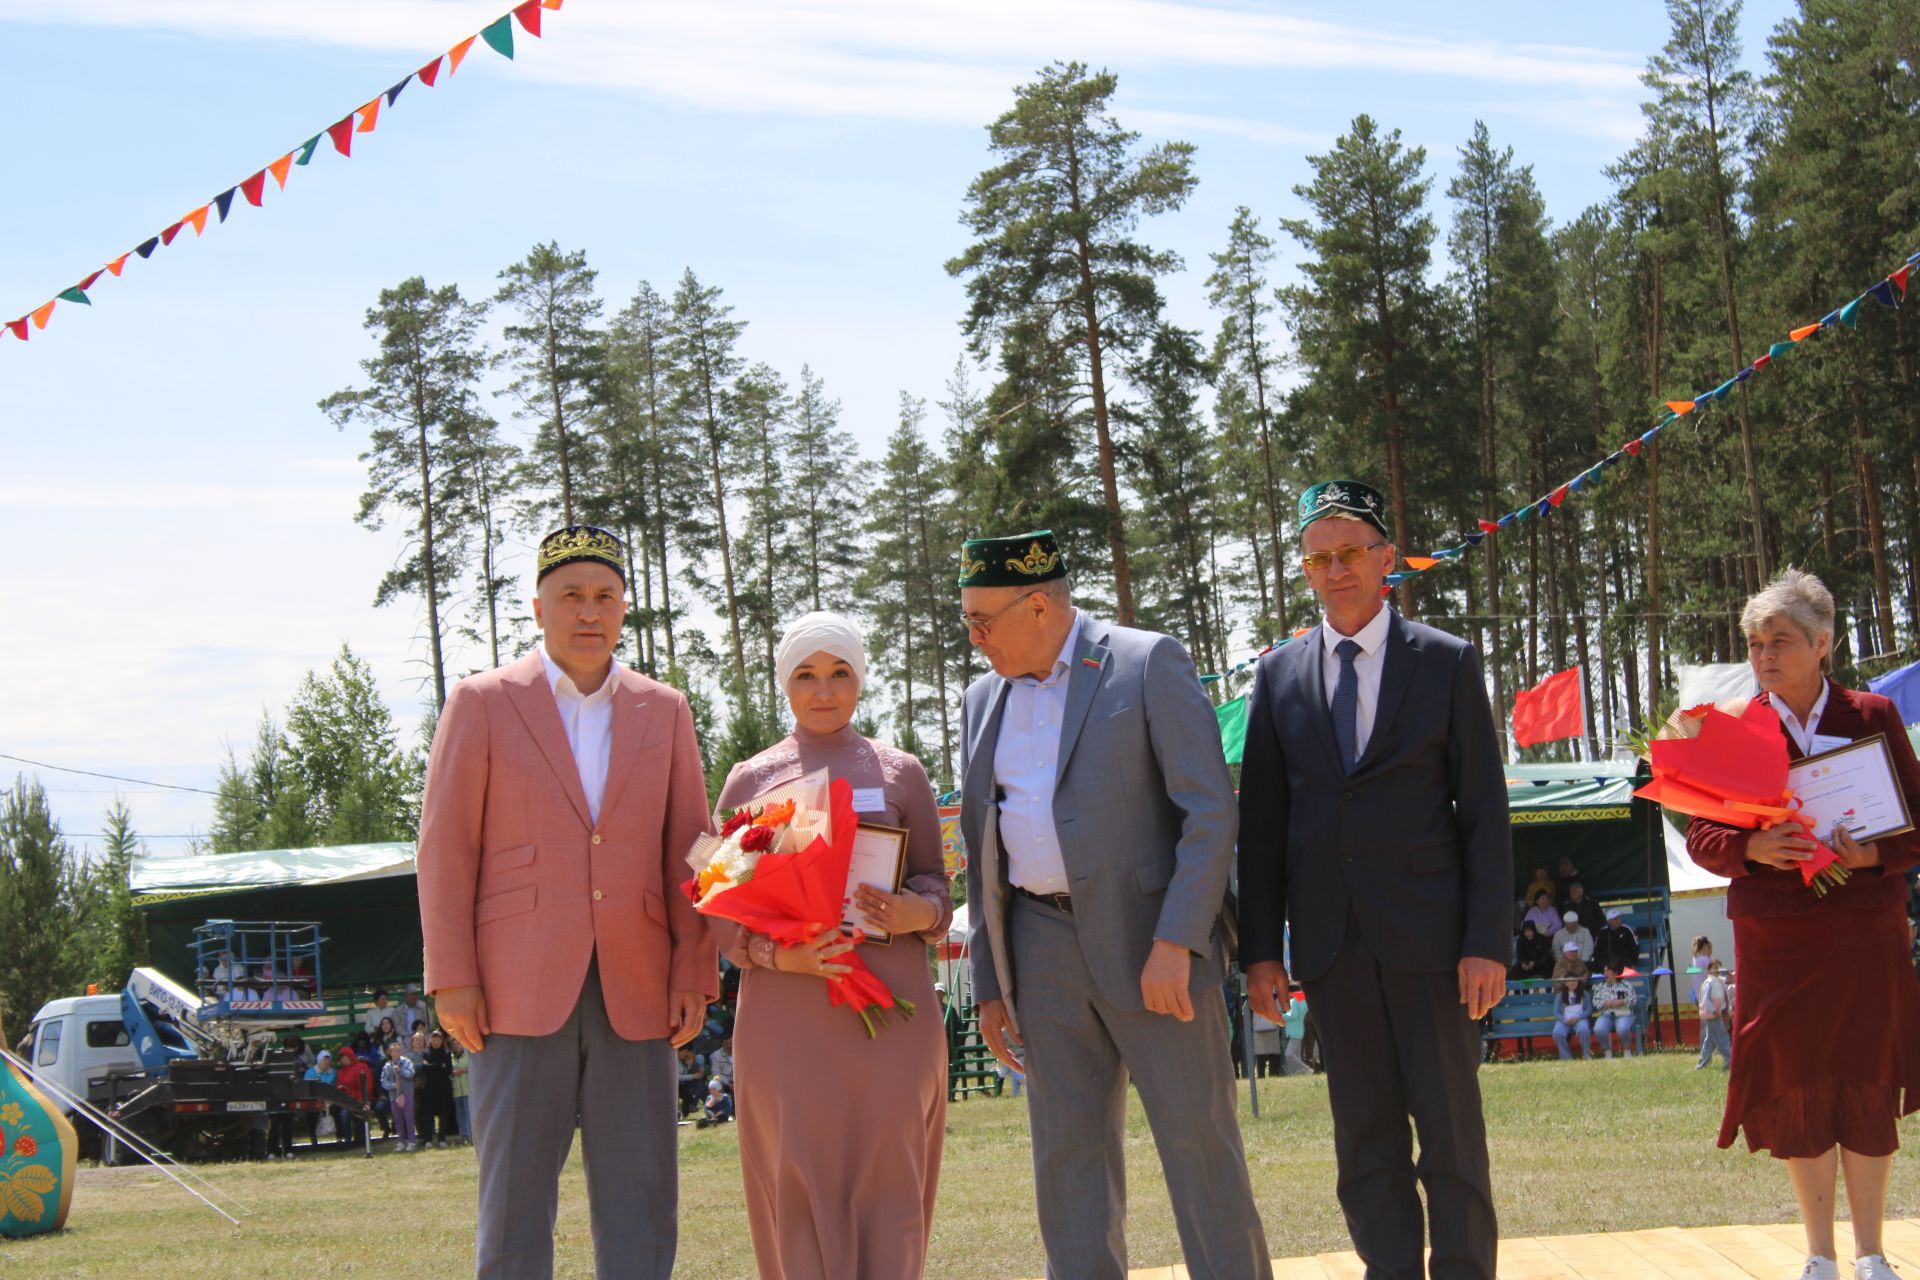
(462, 1113)
(396, 1077)
(719, 1108)
(1716, 1011)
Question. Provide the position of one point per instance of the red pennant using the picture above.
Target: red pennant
(1559, 495)
(42, 314)
(1632, 446)
(342, 135)
(18, 328)
(252, 187)
(1761, 363)
(1899, 277)
(87, 284)
(529, 15)
(1488, 526)
(116, 264)
(279, 170)
(1385, 592)
(166, 237)
(431, 72)
(458, 52)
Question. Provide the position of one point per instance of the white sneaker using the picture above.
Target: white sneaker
(1819, 1268)
(1874, 1267)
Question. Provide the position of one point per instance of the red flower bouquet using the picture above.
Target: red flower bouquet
(791, 882)
(1708, 763)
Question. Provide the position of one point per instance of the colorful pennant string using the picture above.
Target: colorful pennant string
(1887, 292)
(498, 35)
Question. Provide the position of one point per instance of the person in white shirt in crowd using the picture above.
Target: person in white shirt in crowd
(1571, 930)
(1613, 1000)
(720, 1063)
(380, 1008)
(413, 1012)
(1697, 968)
(1716, 1013)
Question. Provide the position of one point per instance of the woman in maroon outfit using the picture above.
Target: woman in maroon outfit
(1826, 1026)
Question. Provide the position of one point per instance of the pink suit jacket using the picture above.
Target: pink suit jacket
(519, 887)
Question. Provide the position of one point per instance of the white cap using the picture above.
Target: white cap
(1614, 913)
(1571, 946)
(1572, 917)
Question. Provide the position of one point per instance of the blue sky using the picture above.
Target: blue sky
(180, 514)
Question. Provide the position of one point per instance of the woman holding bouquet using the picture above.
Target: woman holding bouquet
(1826, 1027)
(840, 1135)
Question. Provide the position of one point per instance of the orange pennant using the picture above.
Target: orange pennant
(199, 220)
(116, 264)
(1805, 330)
(1420, 563)
(550, 4)
(279, 169)
(458, 52)
(40, 315)
(1680, 406)
(368, 114)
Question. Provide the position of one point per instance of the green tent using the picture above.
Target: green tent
(364, 897)
(1586, 812)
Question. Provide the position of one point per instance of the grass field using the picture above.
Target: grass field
(1577, 1147)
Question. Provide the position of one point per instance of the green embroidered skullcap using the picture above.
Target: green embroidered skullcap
(1344, 498)
(1024, 560)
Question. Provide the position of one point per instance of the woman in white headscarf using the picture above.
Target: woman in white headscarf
(840, 1135)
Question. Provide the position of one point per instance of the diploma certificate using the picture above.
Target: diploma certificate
(1854, 786)
(879, 859)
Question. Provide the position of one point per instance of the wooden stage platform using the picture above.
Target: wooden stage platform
(1667, 1253)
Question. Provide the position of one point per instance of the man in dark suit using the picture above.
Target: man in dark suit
(1373, 816)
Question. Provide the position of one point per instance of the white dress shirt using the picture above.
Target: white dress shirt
(1026, 763)
(1372, 640)
(1803, 734)
(588, 720)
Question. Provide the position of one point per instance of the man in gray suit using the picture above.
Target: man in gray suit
(1373, 817)
(1099, 821)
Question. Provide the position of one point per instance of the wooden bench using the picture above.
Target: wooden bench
(1525, 1014)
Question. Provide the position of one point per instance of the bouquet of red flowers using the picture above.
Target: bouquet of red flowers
(779, 867)
(1708, 763)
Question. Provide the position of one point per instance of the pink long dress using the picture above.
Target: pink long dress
(840, 1136)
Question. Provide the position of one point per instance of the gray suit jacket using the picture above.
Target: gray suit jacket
(1415, 840)
(1143, 808)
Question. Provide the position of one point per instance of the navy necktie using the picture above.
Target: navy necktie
(1346, 706)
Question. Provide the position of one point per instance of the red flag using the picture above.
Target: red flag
(1900, 277)
(342, 135)
(1559, 495)
(252, 187)
(166, 237)
(18, 328)
(86, 284)
(1550, 710)
(1632, 447)
(529, 15)
(431, 72)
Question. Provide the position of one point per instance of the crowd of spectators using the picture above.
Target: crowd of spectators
(1566, 938)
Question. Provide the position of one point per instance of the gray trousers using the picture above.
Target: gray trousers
(1399, 1045)
(528, 1092)
(1080, 1053)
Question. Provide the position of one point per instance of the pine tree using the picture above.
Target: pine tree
(555, 354)
(46, 906)
(1052, 225)
(823, 488)
(342, 745)
(485, 465)
(422, 386)
(761, 407)
(119, 935)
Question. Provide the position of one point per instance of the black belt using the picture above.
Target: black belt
(1058, 901)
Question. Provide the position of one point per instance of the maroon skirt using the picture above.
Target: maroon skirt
(1826, 1032)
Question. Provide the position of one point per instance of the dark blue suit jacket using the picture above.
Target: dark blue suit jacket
(1415, 839)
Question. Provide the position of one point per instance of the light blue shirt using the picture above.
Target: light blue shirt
(1026, 764)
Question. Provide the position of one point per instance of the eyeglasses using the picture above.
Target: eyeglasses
(973, 622)
(1317, 561)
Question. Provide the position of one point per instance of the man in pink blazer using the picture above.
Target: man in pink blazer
(562, 794)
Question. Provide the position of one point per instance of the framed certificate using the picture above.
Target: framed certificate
(1854, 786)
(879, 859)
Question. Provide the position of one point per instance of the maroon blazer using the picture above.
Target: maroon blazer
(1760, 890)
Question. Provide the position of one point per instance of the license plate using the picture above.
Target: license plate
(246, 1106)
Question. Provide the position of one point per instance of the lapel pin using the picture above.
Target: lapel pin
(1089, 662)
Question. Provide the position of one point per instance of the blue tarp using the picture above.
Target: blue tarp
(1903, 687)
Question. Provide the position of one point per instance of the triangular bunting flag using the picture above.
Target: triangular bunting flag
(199, 220)
(253, 186)
(146, 247)
(88, 282)
(395, 91)
(431, 72)
(1745, 373)
(1474, 539)
(342, 134)
(306, 149)
(1804, 332)
(224, 201)
(116, 265)
(166, 237)
(1420, 563)
(1646, 437)
(1882, 293)
(1681, 406)
(459, 52)
(1593, 475)
(1613, 458)
(1827, 320)
(499, 35)
(76, 294)
(1720, 392)
(1488, 526)
(1546, 507)
(1578, 483)
(529, 15)
(1849, 315)
(1913, 259)
(1900, 277)
(42, 314)
(551, 4)
(1762, 362)
(1559, 495)
(18, 328)
(1451, 553)
(1779, 349)
(1632, 447)
(1395, 579)
(368, 114)
(279, 169)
